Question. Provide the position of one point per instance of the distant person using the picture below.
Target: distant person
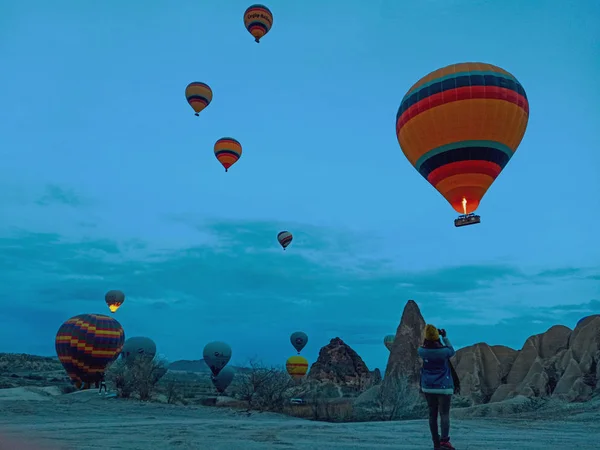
(102, 385)
(438, 383)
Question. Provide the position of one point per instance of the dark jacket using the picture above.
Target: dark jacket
(436, 375)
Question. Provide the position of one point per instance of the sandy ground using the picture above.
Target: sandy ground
(81, 421)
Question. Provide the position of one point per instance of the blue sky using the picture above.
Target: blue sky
(108, 180)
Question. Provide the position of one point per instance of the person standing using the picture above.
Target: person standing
(438, 383)
(102, 385)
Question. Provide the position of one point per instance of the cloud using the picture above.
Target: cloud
(60, 195)
(235, 283)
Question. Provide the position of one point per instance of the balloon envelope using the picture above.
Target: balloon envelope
(138, 346)
(297, 366)
(224, 379)
(388, 341)
(198, 95)
(459, 126)
(228, 151)
(87, 344)
(284, 238)
(258, 20)
(114, 299)
(216, 355)
(299, 340)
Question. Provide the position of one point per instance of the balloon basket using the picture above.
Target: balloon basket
(468, 219)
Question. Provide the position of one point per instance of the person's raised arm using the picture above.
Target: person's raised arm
(448, 344)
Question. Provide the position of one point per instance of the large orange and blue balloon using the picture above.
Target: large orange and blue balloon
(198, 95)
(228, 151)
(459, 126)
(86, 345)
(258, 20)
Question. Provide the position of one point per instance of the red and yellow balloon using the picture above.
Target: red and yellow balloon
(86, 345)
(296, 367)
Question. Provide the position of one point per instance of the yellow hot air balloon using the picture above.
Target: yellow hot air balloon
(297, 366)
(198, 95)
(228, 151)
(459, 126)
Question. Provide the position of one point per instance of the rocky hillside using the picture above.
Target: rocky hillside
(186, 365)
(21, 362)
(561, 362)
(340, 365)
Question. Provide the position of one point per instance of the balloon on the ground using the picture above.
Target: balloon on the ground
(86, 345)
(224, 379)
(228, 151)
(198, 95)
(138, 346)
(459, 126)
(114, 299)
(297, 366)
(388, 341)
(258, 20)
(299, 340)
(216, 355)
(284, 238)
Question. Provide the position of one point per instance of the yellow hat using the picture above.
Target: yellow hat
(431, 333)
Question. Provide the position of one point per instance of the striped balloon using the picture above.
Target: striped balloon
(284, 238)
(86, 345)
(297, 366)
(198, 95)
(459, 126)
(258, 20)
(228, 151)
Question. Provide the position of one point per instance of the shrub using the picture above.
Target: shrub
(138, 375)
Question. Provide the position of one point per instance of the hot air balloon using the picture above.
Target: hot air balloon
(299, 340)
(228, 151)
(198, 95)
(459, 126)
(388, 341)
(114, 300)
(258, 20)
(297, 366)
(86, 345)
(224, 379)
(216, 355)
(285, 238)
(138, 346)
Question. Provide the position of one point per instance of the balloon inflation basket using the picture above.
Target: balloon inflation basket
(467, 219)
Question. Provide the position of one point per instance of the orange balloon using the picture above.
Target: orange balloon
(459, 126)
(228, 151)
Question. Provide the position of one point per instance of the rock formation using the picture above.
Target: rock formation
(340, 365)
(404, 360)
(561, 362)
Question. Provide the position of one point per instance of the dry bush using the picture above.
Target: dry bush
(400, 399)
(263, 388)
(460, 401)
(138, 375)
